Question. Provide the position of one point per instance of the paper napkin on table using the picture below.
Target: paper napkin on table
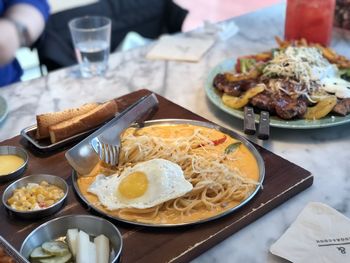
(319, 234)
(180, 47)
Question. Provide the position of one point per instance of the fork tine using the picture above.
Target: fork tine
(101, 151)
(111, 152)
(107, 153)
(115, 154)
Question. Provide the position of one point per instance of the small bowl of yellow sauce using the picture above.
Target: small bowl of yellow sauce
(13, 162)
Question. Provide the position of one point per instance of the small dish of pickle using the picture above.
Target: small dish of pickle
(35, 196)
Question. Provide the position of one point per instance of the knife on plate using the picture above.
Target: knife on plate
(83, 158)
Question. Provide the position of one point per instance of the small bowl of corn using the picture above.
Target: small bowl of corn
(35, 196)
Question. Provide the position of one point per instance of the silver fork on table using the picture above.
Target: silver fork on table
(107, 144)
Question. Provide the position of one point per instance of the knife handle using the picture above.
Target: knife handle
(249, 121)
(264, 126)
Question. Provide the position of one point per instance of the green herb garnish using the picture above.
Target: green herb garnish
(275, 52)
(345, 74)
(247, 64)
(232, 147)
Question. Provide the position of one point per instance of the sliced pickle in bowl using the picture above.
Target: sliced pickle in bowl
(57, 248)
(57, 259)
(39, 253)
(51, 252)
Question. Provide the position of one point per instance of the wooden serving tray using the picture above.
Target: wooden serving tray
(283, 180)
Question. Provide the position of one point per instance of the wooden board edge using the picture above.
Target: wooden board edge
(235, 226)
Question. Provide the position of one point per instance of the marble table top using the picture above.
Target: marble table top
(324, 152)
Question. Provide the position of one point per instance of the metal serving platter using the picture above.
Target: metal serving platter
(233, 134)
(45, 145)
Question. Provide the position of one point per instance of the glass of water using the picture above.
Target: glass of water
(91, 38)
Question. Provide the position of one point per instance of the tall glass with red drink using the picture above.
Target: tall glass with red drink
(310, 19)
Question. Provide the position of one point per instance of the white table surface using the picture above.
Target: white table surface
(324, 152)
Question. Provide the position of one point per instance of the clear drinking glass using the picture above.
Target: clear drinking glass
(91, 38)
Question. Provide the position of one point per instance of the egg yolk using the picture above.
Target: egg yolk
(133, 185)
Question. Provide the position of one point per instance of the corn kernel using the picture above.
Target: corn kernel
(50, 202)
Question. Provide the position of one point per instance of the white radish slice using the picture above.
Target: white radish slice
(102, 249)
(83, 248)
(72, 235)
(92, 253)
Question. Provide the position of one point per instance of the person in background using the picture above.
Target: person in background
(21, 23)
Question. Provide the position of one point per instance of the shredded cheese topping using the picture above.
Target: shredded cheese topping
(303, 64)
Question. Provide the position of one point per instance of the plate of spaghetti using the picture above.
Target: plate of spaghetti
(174, 172)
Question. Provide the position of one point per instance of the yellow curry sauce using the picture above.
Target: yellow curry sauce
(10, 163)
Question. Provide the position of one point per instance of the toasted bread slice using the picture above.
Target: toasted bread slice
(44, 121)
(83, 122)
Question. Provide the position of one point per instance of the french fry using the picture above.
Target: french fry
(264, 56)
(341, 61)
(281, 43)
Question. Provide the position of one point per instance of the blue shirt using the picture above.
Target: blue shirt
(12, 72)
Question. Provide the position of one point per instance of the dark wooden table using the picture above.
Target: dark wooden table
(283, 180)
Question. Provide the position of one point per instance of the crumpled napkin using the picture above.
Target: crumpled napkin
(319, 234)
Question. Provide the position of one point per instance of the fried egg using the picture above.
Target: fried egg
(144, 185)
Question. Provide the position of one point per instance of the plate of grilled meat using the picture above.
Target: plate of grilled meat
(301, 85)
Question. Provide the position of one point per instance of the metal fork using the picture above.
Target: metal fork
(107, 152)
(107, 144)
